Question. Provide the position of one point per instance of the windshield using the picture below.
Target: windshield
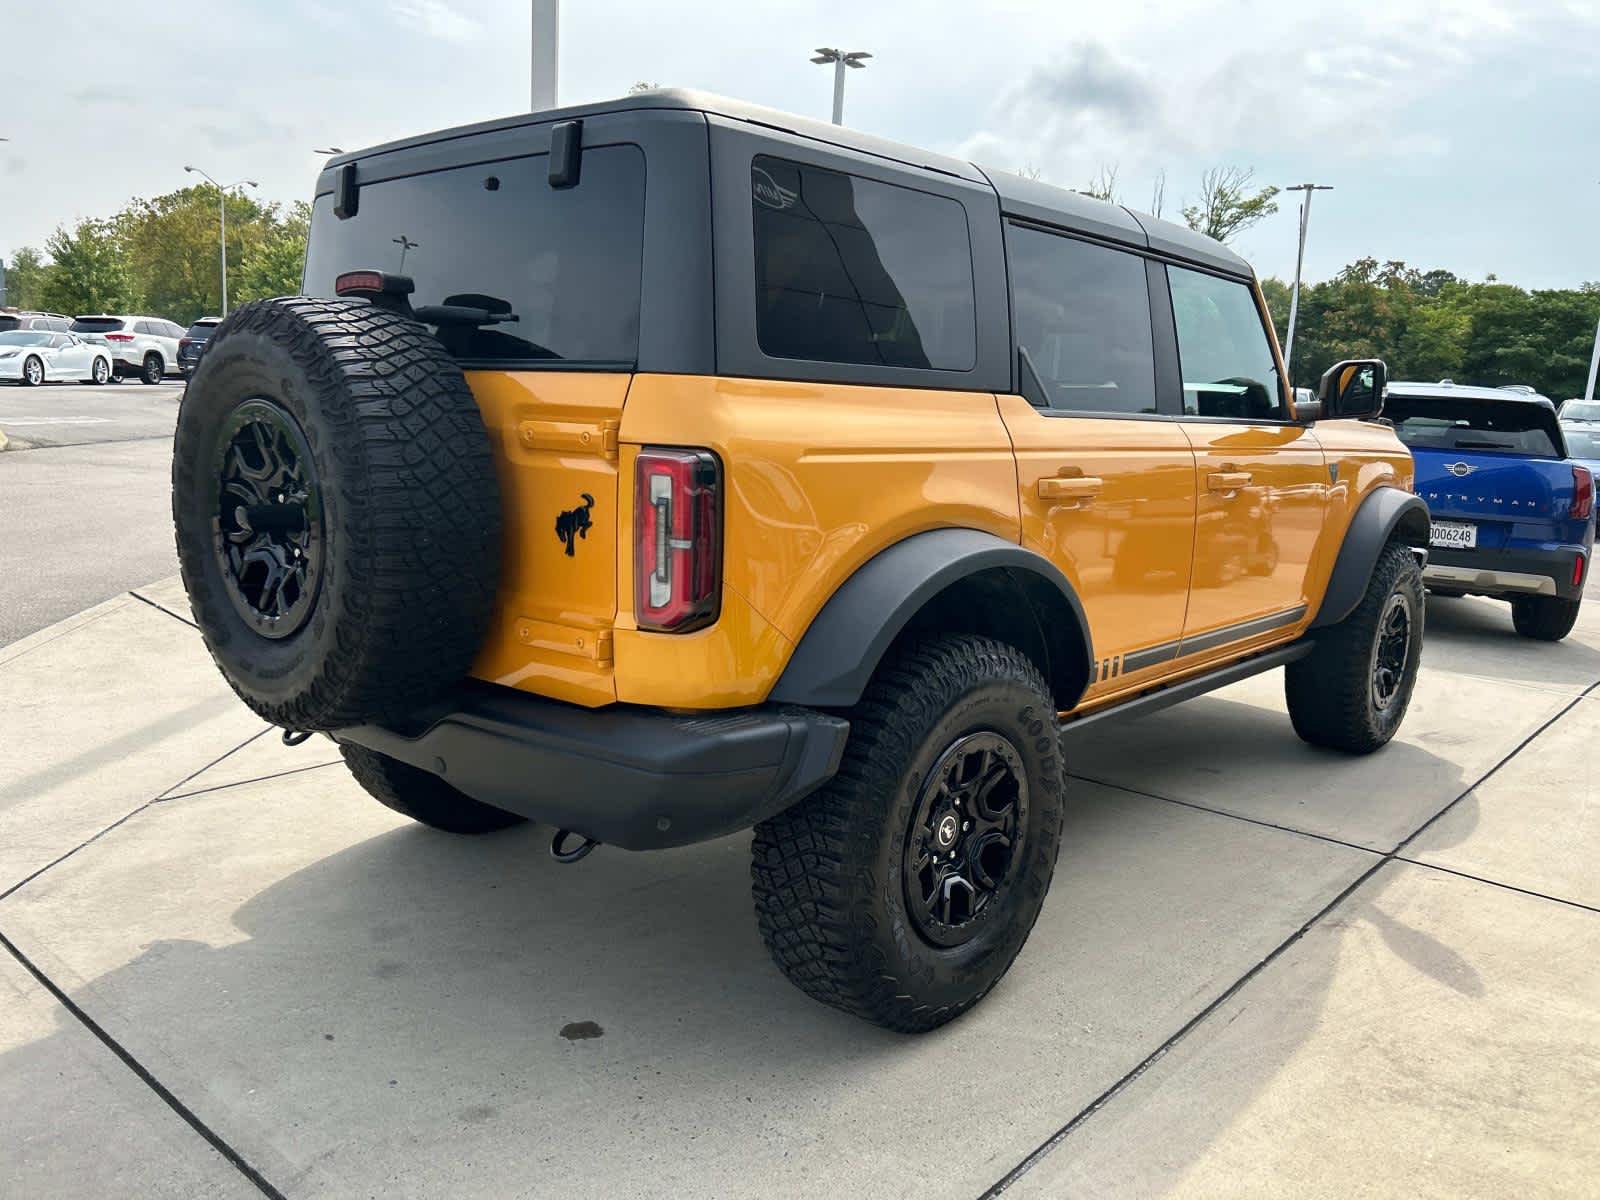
(1582, 441)
(96, 324)
(22, 338)
(1581, 410)
(1491, 426)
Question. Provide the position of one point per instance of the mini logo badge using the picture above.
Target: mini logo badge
(575, 523)
(768, 191)
(1460, 469)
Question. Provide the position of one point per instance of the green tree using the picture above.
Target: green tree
(170, 243)
(275, 266)
(25, 278)
(89, 274)
(1227, 204)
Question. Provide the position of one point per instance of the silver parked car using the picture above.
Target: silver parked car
(32, 356)
(146, 347)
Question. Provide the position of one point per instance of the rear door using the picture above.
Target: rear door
(1107, 486)
(1263, 479)
(562, 267)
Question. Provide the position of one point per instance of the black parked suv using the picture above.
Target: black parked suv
(193, 344)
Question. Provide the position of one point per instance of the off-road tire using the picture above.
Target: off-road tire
(423, 796)
(1545, 618)
(409, 501)
(1330, 691)
(154, 370)
(828, 874)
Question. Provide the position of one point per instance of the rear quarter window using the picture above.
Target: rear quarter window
(851, 270)
(563, 265)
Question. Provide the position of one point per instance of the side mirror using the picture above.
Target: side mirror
(1353, 389)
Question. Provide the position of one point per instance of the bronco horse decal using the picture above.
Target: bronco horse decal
(575, 523)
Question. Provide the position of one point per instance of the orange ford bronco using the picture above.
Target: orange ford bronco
(667, 467)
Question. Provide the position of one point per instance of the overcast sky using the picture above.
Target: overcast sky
(1459, 135)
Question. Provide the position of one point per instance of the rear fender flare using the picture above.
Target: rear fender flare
(1386, 513)
(839, 652)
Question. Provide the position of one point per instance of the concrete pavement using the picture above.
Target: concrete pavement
(1262, 970)
(83, 490)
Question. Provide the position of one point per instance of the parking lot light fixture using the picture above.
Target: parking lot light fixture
(222, 214)
(330, 150)
(840, 60)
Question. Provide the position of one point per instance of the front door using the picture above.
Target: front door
(1107, 486)
(1263, 480)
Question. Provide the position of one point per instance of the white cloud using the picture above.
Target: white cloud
(436, 19)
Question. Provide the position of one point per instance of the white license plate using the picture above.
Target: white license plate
(1453, 535)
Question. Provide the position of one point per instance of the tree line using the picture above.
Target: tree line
(160, 256)
(1431, 325)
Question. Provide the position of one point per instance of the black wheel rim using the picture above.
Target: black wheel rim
(1392, 652)
(965, 837)
(152, 369)
(268, 527)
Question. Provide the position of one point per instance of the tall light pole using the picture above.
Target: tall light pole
(840, 60)
(1299, 262)
(546, 62)
(1594, 364)
(222, 221)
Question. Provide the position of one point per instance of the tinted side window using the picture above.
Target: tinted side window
(850, 270)
(59, 324)
(144, 327)
(559, 267)
(1228, 367)
(1082, 313)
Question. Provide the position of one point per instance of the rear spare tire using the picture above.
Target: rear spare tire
(337, 512)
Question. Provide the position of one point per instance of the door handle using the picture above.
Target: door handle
(1073, 487)
(1228, 481)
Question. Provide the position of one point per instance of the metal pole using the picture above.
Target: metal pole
(1594, 365)
(1299, 264)
(222, 213)
(838, 91)
(546, 61)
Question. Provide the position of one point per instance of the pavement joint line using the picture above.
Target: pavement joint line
(34, 447)
(189, 1116)
(1222, 812)
(1510, 887)
(122, 820)
(164, 609)
(222, 787)
(168, 793)
(1038, 1154)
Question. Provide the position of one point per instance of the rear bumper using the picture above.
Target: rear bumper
(632, 777)
(1541, 571)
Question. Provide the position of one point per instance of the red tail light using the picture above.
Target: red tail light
(1582, 493)
(1577, 571)
(185, 343)
(119, 337)
(677, 539)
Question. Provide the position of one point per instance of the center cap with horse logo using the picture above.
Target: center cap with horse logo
(575, 523)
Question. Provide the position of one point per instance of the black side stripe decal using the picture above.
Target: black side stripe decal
(1138, 660)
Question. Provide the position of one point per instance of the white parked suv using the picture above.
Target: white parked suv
(143, 346)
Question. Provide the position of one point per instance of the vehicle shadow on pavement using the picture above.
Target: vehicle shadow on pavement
(362, 1004)
(1476, 636)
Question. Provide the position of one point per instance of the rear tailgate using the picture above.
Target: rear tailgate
(535, 290)
(1492, 471)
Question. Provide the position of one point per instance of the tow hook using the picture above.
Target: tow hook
(292, 737)
(559, 851)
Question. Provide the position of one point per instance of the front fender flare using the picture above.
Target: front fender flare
(1386, 513)
(834, 660)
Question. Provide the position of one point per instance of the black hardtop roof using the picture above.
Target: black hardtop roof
(1028, 199)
